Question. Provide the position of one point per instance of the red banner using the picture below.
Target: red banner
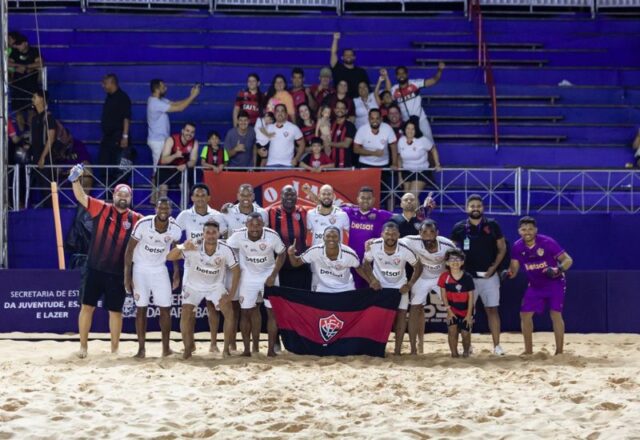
(268, 184)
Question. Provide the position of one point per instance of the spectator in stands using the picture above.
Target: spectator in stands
(158, 120)
(387, 102)
(407, 94)
(394, 119)
(363, 103)
(306, 123)
(317, 159)
(263, 137)
(323, 126)
(322, 89)
(339, 144)
(346, 70)
(378, 94)
(43, 131)
(213, 156)
(299, 93)
(249, 100)
(26, 63)
(286, 145)
(240, 142)
(636, 149)
(181, 152)
(342, 95)
(414, 150)
(12, 37)
(115, 122)
(278, 94)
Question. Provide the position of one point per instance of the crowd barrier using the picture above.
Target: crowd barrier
(48, 301)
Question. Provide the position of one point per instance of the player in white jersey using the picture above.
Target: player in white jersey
(325, 215)
(151, 240)
(191, 221)
(389, 257)
(205, 270)
(430, 249)
(257, 247)
(236, 215)
(331, 263)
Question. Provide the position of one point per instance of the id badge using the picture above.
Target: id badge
(466, 244)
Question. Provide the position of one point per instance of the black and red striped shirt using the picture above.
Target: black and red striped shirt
(299, 97)
(457, 291)
(308, 132)
(250, 103)
(111, 232)
(343, 157)
(290, 225)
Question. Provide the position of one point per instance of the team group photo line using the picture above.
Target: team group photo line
(229, 256)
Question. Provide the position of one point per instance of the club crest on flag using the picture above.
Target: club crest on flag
(329, 327)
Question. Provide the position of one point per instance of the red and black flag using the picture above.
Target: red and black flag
(356, 322)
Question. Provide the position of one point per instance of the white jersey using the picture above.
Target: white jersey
(390, 269)
(236, 220)
(153, 246)
(432, 263)
(317, 223)
(332, 276)
(192, 223)
(257, 257)
(207, 272)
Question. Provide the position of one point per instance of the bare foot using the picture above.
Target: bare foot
(413, 352)
(271, 353)
(465, 354)
(397, 352)
(255, 349)
(140, 354)
(233, 346)
(169, 352)
(455, 355)
(246, 353)
(558, 352)
(226, 354)
(186, 354)
(526, 353)
(193, 348)
(213, 348)
(420, 349)
(82, 353)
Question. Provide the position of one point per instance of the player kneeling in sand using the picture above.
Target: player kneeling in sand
(205, 266)
(256, 246)
(545, 263)
(151, 241)
(389, 257)
(457, 293)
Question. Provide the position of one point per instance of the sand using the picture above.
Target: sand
(591, 392)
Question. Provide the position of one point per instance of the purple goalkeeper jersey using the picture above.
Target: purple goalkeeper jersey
(537, 259)
(364, 226)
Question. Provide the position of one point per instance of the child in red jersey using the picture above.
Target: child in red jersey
(317, 159)
(457, 290)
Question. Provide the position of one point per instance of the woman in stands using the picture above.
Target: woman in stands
(306, 123)
(363, 103)
(414, 150)
(278, 94)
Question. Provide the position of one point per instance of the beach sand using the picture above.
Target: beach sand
(590, 392)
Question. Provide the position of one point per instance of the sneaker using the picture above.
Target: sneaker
(498, 351)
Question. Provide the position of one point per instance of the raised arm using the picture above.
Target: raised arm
(78, 190)
(428, 82)
(334, 49)
(294, 259)
(179, 106)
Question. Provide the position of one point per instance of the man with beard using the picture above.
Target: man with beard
(290, 222)
(112, 225)
(339, 145)
(325, 215)
(407, 94)
(192, 221)
(484, 245)
(145, 271)
(389, 257)
(180, 151)
(157, 118)
(299, 93)
(331, 263)
(346, 70)
(256, 247)
(205, 265)
(430, 248)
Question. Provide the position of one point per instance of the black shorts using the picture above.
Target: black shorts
(299, 278)
(98, 283)
(460, 322)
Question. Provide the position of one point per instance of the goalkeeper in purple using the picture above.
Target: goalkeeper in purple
(545, 263)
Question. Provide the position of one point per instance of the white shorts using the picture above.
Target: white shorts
(421, 289)
(148, 281)
(251, 290)
(488, 289)
(195, 296)
(156, 151)
(404, 302)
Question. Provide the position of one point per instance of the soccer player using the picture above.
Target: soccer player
(191, 221)
(389, 257)
(457, 292)
(205, 265)
(430, 248)
(236, 215)
(145, 271)
(330, 263)
(256, 246)
(325, 215)
(112, 225)
(545, 263)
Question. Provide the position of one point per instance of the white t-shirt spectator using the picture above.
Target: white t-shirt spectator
(362, 109)
(409, 99)
(158, 119)
(282, 146)
(415, 157)
(373, 142)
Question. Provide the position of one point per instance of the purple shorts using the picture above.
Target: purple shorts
(536, 297)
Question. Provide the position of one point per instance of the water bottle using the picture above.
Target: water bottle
(75, 173)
